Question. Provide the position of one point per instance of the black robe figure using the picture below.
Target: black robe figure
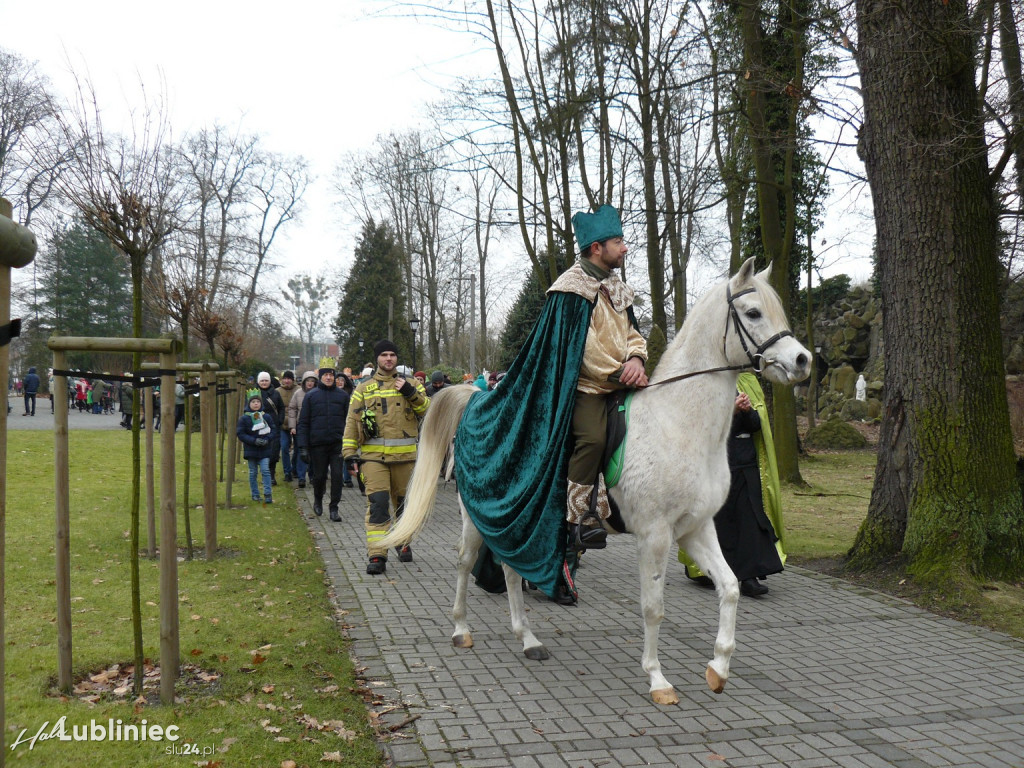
(744, 531)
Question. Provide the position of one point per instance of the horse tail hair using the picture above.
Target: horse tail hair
(436, 433)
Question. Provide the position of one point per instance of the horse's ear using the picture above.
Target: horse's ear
(765, 273)
(745, 272)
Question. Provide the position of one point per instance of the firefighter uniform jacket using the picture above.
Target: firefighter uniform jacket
(383, 423)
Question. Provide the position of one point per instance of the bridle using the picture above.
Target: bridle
(758, 362)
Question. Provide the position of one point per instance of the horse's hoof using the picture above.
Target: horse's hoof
(463, 641)
(715, 681)
(665, 696)
(537, 653)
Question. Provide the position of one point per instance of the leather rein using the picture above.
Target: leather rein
(758, 362)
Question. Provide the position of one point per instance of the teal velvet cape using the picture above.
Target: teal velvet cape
(513, 445)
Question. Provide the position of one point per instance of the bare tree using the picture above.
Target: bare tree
(29, 136)
(125, 188)
(308, 299)
(218, 166)
(278, 187)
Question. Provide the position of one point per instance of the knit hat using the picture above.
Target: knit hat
(382, 346)
(437, 377)
(603, 224)
(263, 376)
(288, 375)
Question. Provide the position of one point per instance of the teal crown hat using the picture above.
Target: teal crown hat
(596, 227)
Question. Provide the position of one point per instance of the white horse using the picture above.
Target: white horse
(675, 475)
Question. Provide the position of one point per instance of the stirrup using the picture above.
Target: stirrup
(583, 537)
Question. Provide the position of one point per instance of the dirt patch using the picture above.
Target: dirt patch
(116, 683)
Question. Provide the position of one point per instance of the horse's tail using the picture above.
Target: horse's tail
(436, 435)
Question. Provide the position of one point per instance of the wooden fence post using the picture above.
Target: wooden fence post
(147, 406)
(62, 510)
(208, 430)
(17, 249)
(169, 656)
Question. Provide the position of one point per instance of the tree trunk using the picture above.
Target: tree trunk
(946, 496)
(776, 235)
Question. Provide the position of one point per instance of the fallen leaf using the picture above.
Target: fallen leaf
(331, 757)
(268, 689)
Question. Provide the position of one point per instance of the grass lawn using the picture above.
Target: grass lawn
(822, 521)
(268, 679)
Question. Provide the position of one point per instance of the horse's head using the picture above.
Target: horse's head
(757, 331)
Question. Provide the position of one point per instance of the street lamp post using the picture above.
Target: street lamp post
(295, 362)
(414, 324)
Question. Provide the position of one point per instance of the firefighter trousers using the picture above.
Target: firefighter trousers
(385, 486)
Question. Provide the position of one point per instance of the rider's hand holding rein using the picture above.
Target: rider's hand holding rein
(633, 373)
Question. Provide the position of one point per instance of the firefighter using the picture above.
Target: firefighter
(380, 442)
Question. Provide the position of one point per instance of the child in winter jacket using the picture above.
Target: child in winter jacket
(260, 435)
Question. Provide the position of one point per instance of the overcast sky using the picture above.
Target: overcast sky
(317, 78)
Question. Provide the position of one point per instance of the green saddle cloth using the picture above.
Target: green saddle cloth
(613, 469)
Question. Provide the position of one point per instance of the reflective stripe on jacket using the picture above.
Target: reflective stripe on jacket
(397, 417)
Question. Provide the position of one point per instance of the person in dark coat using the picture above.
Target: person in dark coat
(437, 383)
(319, 433)
(30, 386)
(260, 436)
(274, 405)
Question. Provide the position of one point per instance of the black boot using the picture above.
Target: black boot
(335, 517)
(752, 588)
(318, 507)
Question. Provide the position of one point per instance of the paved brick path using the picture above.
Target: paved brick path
(824, 674)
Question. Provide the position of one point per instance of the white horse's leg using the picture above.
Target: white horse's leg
(532, 647)
(702, 545)
(469, 548)
(652, 552)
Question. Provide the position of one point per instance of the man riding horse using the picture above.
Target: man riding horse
(585, 346)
